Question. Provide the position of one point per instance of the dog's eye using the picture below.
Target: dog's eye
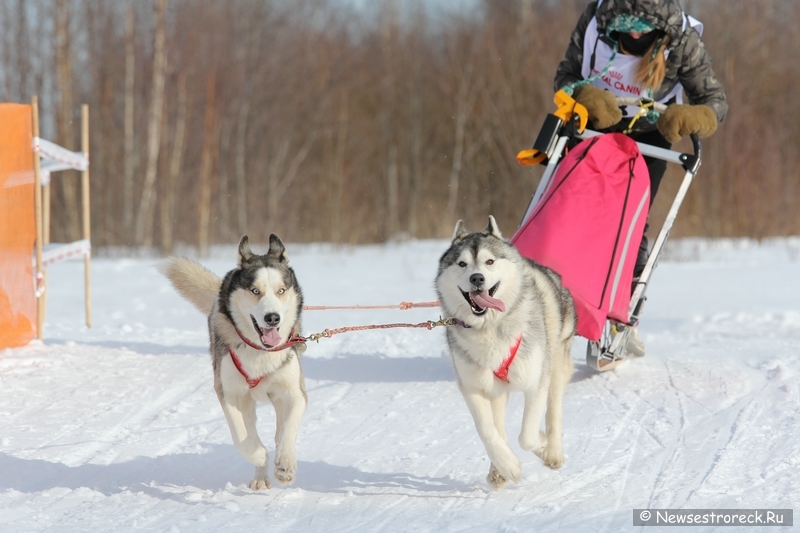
(281, 291)
(490, 262)
(462, 264)
(255, 291)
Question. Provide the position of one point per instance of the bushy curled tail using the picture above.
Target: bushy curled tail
(193, 281)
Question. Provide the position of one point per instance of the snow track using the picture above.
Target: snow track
(118, 428)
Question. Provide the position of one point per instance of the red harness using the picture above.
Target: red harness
(253, 382)
(502, 372)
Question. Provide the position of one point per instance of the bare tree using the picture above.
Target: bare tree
(67, 181)
(223, 182)
(175, 163)
(464, 100)
(389, 50)
(280, 175)
(210, 142)
(241, 173)
(23, 50)
(339, 170)
(6, 39)
(144, 219)
(130, 141)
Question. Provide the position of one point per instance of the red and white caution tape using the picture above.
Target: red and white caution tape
(56, 252)
(55, 157)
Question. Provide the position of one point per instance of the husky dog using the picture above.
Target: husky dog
(254, 328)
(514, 329)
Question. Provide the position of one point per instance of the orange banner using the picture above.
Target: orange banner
(17, 227)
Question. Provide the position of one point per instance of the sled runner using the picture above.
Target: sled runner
(587, 217)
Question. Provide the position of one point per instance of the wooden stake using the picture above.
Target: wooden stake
(87, 230)
(37, 200)
(45, 238)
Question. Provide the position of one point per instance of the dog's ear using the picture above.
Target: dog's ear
(492, 228)
(245, 254)
(460, 232)
(276, 248)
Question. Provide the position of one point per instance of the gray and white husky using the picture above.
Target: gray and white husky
(254, 328)
(515, 324)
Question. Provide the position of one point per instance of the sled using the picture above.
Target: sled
(606, 317)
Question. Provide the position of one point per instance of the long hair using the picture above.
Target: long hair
(653, 66)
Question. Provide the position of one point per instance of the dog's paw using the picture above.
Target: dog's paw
(552, 457)
(495, 478)
(550, 453)
(285, 469)
(283, 475)
(261, 481)
(508, 466)
(260, 484)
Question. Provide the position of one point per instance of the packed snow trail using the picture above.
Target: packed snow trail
(117, 428)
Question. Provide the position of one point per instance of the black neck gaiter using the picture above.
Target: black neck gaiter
(640, 46)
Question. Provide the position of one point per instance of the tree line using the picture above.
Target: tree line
(322, 122)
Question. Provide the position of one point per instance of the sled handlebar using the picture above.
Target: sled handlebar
(644, 103)
(571, 112)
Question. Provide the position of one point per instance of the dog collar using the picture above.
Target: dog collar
(502, 372)
(251, 382)
(291, 341)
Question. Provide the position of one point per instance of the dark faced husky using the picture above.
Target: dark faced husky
(515, 323)
(253, 319)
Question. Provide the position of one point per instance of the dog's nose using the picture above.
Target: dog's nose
(272, 319)
(477, 280)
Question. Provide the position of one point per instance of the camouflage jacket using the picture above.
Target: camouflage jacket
(688, 62)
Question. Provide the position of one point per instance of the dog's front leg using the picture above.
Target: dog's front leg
(499, 403)
(554, 419)
(288, 412)
(240, 412)
(503, 459)
(531, 437)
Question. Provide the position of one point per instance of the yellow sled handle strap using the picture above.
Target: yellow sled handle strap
(566, 108)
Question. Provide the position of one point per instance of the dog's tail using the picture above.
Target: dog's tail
(193, 281)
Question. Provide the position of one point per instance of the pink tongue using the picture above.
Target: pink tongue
(483, 299)
(270, 337)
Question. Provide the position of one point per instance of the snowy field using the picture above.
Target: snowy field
(117, 427)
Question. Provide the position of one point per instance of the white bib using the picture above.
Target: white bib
(620, 78)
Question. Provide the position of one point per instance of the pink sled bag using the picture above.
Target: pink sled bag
(588, 226)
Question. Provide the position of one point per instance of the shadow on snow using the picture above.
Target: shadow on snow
(348, 368)
(208, 471)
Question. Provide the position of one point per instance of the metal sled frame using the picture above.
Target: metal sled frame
(610, 350)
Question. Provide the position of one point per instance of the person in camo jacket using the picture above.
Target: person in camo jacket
(643, 48)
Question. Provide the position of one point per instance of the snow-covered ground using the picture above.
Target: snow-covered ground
(117, 427)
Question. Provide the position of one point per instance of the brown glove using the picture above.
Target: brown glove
(680, 120)
(601, 105)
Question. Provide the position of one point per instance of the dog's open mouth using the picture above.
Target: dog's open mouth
(269, 336)
(480, 301)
